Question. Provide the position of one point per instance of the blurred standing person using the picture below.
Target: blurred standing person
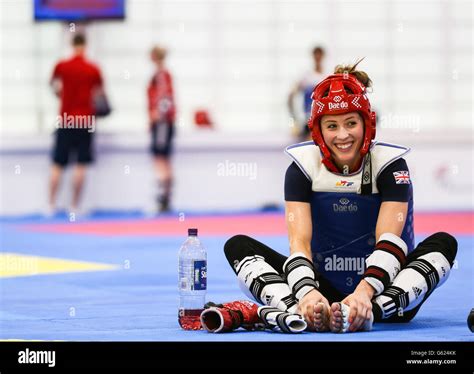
(75, 81)
(305, 87)
(162, 112)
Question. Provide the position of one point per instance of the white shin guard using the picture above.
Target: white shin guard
(277, 320)
(414, 283)
(263, 283)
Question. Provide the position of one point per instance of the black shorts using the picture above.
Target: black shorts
(76, 141)
(162, 134)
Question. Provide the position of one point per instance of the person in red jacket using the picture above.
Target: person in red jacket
(161, 113)
(75, 81)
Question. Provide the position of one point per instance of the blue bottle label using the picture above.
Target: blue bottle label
(200, 275)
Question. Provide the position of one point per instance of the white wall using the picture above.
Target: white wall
(240, 58)
(212, 173)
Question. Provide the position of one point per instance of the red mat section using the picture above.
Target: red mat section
(453, 223)
(268, 224)
(250, 224)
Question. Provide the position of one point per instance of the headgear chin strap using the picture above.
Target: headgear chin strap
(339, 94)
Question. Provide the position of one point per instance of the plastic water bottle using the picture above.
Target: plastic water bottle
(192, 281)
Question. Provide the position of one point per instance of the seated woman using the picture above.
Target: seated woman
(349, 212)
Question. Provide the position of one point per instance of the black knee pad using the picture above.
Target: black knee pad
(236, 248)
(439, 242)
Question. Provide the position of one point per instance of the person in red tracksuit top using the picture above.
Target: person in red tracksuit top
(75, 82)
(161, 112)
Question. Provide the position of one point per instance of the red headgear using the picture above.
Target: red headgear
(339, 94)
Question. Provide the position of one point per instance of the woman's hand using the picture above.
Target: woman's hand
(360, 303)
(307, 304)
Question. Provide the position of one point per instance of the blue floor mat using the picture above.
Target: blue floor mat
(138, 301)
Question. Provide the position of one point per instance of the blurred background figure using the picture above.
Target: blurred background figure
(162, 112)
(305, 87)
(75, 81)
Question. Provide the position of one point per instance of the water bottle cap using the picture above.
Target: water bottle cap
(192, 232)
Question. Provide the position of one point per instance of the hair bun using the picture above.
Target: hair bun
(361, 76)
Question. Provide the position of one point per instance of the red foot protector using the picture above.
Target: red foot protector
(230, 316)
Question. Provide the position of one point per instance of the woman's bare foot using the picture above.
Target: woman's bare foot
(339, 319)
(336, 319)
(321, 317)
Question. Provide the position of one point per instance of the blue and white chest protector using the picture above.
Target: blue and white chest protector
(343, 219)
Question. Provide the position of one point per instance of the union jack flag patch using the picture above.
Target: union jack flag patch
(401, 177)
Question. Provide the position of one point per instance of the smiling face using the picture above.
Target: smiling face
(344, 135)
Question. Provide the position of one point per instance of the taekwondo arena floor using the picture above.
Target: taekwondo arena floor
(112, 277)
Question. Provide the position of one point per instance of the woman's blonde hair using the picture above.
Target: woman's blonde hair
(361, 76)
